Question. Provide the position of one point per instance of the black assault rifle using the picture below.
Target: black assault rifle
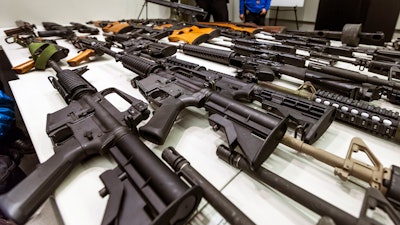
(255, 133)
(308, 118)
(335, 91)
(381, 61)
(373, 199)
(91, 125)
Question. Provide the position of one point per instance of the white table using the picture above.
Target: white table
(78, 199)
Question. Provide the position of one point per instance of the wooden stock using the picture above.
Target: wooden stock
(191, 35)
(83, 56)
(162, 27)
(207, 30)
(116, 27)
(250, 30)
(24, 67)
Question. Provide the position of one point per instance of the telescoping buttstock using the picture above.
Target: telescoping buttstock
(247, 30)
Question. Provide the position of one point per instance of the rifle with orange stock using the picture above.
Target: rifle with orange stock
(137, 41)
(187, 32)
(131, 46)
(246, 28)
(42, 52)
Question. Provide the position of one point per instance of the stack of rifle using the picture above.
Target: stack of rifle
(254, 113)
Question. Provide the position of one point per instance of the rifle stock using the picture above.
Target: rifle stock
(83, 56)
(192, 35)
(24, 67)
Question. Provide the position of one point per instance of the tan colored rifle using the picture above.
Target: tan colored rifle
(381, 178)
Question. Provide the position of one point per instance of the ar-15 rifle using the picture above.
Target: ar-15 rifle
(351, 35)
(341, 81)
(256, 134)
(373, 199)
(324, 46)
(170, 83)
(241, 25)
(357, 113)
(381, 61)
(126, 40)
(309, 119)
(91, 125)
(383, 179)
(386, 180)
(242, 123)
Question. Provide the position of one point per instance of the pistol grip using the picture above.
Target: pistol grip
(24, 67)
(83, 56)
(157, 128)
